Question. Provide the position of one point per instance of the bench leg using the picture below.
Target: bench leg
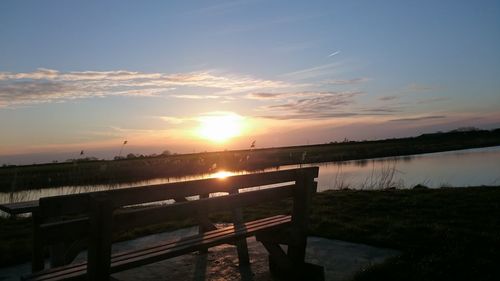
(242, 248)
(37, 259)
(241, 245)
(204, 223)
(99, 253)
(287, 267)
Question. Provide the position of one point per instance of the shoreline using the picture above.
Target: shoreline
(82, 173)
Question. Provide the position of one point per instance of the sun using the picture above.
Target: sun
(220, 126)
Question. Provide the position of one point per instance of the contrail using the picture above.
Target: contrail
(334, 53)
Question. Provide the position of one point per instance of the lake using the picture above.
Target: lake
(471, 167)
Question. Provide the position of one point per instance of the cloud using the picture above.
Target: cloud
(198, 97)
(289, 95)
(264, 96)
(310, 105)
(309, 116)
(388, 98)
(432, 100)
(346, 81)
(326, 101)
(382, 110)
(416, 119)
(47, 85)
(172, 120)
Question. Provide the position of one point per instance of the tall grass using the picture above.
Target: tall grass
(385, 177)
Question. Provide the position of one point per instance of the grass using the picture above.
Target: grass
(444, 234)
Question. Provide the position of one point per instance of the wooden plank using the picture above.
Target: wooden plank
(37, 257)
(65, 230)
(195, 240)
(99, 253)
(181, 249)
(78, 203)
(134, 218)
(119, 261)
(241, 245)
(19, 207)
(306, 186)
(73, 229)
(278, 257)
(210, 234)
(281, 237)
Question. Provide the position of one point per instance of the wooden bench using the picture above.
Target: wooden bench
(70, 223)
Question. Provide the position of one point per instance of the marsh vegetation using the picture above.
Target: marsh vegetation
(78, 173)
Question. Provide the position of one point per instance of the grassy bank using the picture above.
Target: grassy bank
(129, 170)
(444, 234)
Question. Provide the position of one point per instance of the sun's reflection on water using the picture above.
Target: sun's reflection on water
(222, 174)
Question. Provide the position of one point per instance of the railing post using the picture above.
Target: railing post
(99, 252)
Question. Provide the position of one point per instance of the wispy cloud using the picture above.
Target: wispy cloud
(311, 105)
(416, 119)
(47, 85)
(284, 95)
(432, 100)
(173, 120)
(198, 97)
(389, 98)
(345, 81)
(264, 96)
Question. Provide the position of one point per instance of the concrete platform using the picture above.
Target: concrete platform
(341, 261)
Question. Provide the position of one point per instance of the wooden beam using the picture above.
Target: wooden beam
(127, 219)
(19, 207)
(99, 253)
(306, 186)
(78, 203)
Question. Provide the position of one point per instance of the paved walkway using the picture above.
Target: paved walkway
(340, 259)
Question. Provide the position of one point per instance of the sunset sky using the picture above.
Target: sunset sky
(191, 76)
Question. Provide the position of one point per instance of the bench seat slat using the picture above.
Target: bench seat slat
(123, 261)
(227, 232)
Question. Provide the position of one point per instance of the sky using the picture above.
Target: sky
(193, 76)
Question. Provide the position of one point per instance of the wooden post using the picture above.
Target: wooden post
(204, 223)
(305, 188)
(99, 252)
(241, 245)
(37, 258)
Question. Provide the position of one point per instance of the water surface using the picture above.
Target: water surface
(461, 168)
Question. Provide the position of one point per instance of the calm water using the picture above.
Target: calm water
(455, 168)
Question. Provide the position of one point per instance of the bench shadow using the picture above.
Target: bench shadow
(201, 264)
